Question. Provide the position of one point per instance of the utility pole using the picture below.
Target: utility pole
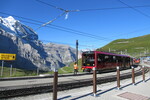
(77, 51)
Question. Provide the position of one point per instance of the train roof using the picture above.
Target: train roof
(107, 53)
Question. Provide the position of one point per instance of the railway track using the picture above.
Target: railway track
(23, 90)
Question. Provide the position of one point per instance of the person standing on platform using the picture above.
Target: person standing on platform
(75, 68)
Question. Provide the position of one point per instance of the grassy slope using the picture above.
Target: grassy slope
(69, 69)
(133, 46)
(17, 72)
(21, 72)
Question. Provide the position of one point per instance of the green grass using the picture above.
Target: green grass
(16, 72)
(69, 69)
(21, 72)
(138, 46)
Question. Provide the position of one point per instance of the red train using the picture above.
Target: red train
(104, 60)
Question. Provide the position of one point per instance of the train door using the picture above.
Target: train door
(100, 61)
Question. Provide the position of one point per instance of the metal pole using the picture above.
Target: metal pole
(55, 84)
(2, 68)
(143, 69)
(11, 70)
(149, 72)
(77, 51)
(14, 71)
(37, 71)
(133, 76)
(118, 77)
(94, 82)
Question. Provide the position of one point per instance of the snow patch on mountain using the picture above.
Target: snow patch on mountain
(14, 27)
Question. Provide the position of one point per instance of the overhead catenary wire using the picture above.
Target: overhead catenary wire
(57, 7)
(71, 31)
(64, 12)
(56, 27)
(60, 28)
(113, 8)
(50, 21)
(134, 9)
(64, 29)
(81, 45)
(67, 11)
(110, 8)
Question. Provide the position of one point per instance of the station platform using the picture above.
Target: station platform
(106, 91)
(49, 80)
(109, 91)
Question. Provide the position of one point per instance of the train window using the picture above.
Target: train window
(88, 60)
(114, 57)
(106, 57)
(101, 58)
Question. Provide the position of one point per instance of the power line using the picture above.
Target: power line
(56, 27)
(50, 5)
(64, 12)
(69, 31)
(51, 21)
(134, 9)
(81, 45)
(111, 8)
(67, 11)
(49, 27)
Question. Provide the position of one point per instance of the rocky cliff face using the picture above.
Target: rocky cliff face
(31, 53)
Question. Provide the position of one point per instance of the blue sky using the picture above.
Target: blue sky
(103, 26)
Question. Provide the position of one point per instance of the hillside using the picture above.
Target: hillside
(138, 46)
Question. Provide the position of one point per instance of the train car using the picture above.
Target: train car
(104, 60)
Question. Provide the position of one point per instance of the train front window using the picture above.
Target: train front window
(88, 59)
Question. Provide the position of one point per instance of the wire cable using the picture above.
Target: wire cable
(114, 8)
(111, 8)
(56, 27)
(134, 9)
(50, 21)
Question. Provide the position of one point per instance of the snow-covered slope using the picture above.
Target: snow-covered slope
(14, 27)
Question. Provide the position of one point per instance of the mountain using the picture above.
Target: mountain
(20, 39)
(14, 27)
(138, 46)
